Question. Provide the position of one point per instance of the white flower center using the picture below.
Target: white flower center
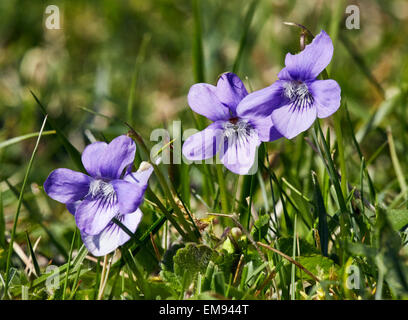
(237, 130)
(298, 93)
(101, 188)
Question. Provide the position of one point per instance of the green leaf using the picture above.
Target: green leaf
(218, 283)
(306, 249)
(192, 259)
(261, 226)
(206, 283)
(317, 264)
(389, 258)
(398, 218)
(168, 263)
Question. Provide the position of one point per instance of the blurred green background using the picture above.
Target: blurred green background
(91, 61)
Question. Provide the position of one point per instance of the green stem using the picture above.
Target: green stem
(20, 201)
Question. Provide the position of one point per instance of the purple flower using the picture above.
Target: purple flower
(110, 191)
(297, 98)
(235, 133)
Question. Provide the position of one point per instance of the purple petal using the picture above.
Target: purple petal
(141, 176)
(65, 185)
(112, 236)
(202, 98)
(308, 64)
(92, 157)
(290, 120)
(230, 91)
(119, 154)
(73, 206)
(130, 195)
(265, 128)
(238, 154)
(284, 75)
(326, 94)
(93, 215)
(204, 144)
(262, 102)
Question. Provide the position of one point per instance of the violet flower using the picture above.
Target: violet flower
(110, 191)
(235, 133)
(297, 98)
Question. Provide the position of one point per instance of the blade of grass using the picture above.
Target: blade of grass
(293, 271)
(199, 76)
(396, 163)
(142, 283)
(2, 223)
(165, 186)
(141, 55)
(133, 237)
(24, 137)
(376, 153)
(263, 191)
(150, 194)
(20, 200)
(362, 185)
(335, 21)
(223, 190)
(340, 147)
(198, 55)
(322, 216)
(334, 178)
(300, 266)
(359, 60)
(33, 257)
(357, 146)
(244, 36)
(76, 263)
(34, 213)
(72, 151)
(69, 264)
